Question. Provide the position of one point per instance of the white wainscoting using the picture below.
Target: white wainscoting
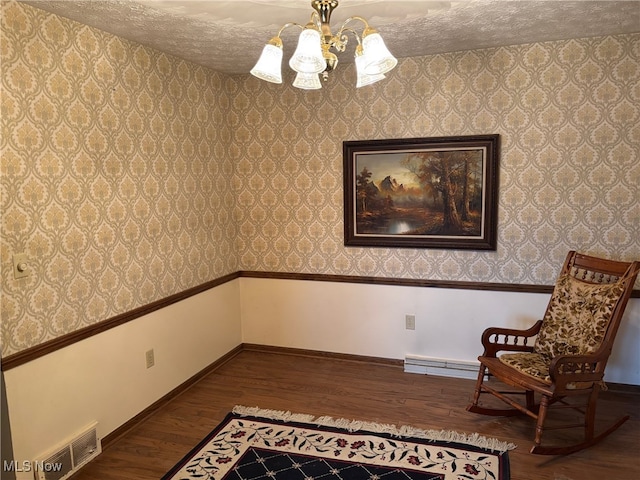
(104, 378)
(369, 320)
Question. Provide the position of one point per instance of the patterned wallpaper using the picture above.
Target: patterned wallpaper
(568, 113)
(129, 175)
(115, 176)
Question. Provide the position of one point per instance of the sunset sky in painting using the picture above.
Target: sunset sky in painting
(386, 164)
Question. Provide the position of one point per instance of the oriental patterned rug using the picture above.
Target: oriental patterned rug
(252, 444)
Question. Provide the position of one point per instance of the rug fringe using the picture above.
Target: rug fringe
(474, 439)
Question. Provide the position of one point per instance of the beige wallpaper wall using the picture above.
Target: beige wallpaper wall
(568, 113)
(129, 175)
(115, 176)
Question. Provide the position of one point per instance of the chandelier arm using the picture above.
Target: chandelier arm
(287, 25)
(349, 20)
(355, 34)
(316, 20)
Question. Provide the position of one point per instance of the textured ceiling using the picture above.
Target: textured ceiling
(228, 36)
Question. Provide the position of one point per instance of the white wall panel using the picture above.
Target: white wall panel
(104, 378)
(370, 320)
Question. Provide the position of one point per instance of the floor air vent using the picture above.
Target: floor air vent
(69, 457)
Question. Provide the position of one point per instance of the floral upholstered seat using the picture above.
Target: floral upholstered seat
(575, 323)
(533, 364)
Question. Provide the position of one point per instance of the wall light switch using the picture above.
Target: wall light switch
(410, 322)
(21, 267)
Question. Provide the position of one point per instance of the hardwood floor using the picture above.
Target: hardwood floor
(356, 390)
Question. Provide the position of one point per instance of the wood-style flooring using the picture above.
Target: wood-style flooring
(356, 390)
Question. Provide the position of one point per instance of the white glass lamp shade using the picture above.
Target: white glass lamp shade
(308, 55)
(365, 79)
(307, 81)
(378, 57)
(269, 65)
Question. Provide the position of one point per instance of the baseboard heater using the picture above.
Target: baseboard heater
(441, 366)
(67, 458)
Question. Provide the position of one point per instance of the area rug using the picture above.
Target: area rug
(252, 444)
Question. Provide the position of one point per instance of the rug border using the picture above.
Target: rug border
(475, 441)
(452, 436)
(178, 466)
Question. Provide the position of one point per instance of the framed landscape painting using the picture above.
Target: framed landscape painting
(436, 192)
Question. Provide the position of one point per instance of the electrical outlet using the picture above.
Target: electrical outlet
(410, 322)
(151, 361)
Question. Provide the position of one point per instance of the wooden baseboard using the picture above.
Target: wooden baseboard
(623, 388)
(183, 387)
(387, 362)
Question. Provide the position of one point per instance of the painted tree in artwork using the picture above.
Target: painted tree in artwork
(450, 174)
(366, 191)
(465, 214)
(447, 187)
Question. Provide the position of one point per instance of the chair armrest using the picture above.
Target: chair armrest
(496, 339)
(575, 372)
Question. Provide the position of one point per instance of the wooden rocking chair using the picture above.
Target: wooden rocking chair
(568, 358)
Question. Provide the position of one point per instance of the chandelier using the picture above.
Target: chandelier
(313, 57)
